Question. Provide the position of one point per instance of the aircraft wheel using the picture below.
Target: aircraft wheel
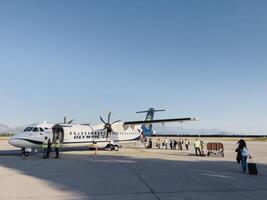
(116, 147)
(26, 154)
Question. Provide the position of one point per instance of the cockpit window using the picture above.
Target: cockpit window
(41, 129)
(28, 129)
(35, 129)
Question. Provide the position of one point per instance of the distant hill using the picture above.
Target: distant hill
(184, 131)
(21, 128)
(4, 128)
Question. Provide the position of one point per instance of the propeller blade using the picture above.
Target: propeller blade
(65, 119)
(109, 117)
(116, 122)
(102, 120)
(70, 121)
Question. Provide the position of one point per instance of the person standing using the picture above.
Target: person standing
(150, 143)
(57, 145)
(202, 147)
(48, 148)
(174, 144)
(197, 146)
(158, 143)
(179, 144)
(45, 146)
(166, 142)
(186, 142)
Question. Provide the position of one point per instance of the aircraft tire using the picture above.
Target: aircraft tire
(116, 148)
(26, 154)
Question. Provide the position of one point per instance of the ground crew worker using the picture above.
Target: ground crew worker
(197, 145)
(48, 148)
(57, 145)
(45, 146)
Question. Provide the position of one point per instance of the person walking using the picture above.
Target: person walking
(186, 142)
(57, 145)
(243, 154)
(197, 147)
(45, 146)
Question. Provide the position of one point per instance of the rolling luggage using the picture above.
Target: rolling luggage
(252, 168)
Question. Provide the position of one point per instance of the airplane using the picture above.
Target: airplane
(106, 134)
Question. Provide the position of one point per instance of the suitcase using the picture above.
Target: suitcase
(252, 169)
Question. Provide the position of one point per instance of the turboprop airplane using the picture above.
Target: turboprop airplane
(107, 134)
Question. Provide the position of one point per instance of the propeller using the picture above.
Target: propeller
(67, 122)
(108, 125)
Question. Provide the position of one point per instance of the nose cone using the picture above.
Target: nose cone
(14, 142)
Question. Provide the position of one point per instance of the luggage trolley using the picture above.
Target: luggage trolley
(215, 148)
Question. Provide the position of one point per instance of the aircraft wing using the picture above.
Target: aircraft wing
(159, 121)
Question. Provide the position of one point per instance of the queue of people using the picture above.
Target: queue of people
(47, 147)
(174, 144)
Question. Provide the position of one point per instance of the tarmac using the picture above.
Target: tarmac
(131, 173)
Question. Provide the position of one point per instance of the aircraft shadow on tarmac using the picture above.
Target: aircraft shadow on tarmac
(113, 175)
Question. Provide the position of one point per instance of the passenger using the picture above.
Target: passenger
(197, 146)
(202, 147)
(174, 144)
(242, 149)
(57, 145)
(145, 142)
(45, 146)
(186, 144)
(158, 143)
(48, 148)
(150, 143)
(166, 142)
(181, 142)
(171, 144)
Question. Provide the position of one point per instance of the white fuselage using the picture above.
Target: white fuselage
(73, 135)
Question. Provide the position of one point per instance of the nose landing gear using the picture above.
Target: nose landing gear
(26, 151)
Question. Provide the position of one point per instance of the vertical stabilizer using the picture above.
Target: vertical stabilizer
(147, 129)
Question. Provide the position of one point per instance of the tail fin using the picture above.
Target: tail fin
(147, 129)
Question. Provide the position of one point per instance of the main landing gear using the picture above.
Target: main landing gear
(114, 147)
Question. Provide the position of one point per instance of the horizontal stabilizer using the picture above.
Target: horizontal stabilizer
(159, 121)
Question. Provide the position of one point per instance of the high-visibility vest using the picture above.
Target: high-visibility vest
(57, 144)
(197, 144)
(45, 144)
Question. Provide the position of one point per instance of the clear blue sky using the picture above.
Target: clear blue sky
(85, 58)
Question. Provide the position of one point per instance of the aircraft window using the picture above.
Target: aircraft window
(74, 133)
(35, 129)
(81, 133)
(70, 133)
(41, 129)
(28, 129)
